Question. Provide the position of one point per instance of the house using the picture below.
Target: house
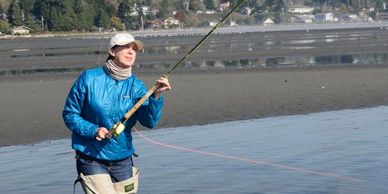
(364, 16)
(301, 9)
(307, 19)
(223, 6)
(324, 17)
(349, 18)
(213, 23)
(168, 22)
(154, 11)
(145, 9)
(268, 22)
(21, 30)
(209, 12)
(246, 11)
(154, 24)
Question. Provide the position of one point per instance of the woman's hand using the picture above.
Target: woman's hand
(102, 133)
(164, 86)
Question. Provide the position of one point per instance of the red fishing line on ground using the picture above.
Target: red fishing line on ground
(246, 160)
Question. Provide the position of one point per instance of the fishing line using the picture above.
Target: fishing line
(119, 126)
(246, 160)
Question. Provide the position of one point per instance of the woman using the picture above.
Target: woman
(99, 99)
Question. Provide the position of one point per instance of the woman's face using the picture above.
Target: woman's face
(125, 55)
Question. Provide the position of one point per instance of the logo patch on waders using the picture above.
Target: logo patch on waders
(129, 187)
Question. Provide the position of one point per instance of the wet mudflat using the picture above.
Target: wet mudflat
(232, 76)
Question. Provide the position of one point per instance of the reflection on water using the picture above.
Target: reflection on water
(281, 50)
(41, 70)
(262, 62)
(47, 54)
(347, 143)
(278, 62)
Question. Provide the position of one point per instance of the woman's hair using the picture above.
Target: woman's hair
(109, 55)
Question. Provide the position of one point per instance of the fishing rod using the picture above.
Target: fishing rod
(119, 126)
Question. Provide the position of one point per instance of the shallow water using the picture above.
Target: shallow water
(330, 152)
(233, 51)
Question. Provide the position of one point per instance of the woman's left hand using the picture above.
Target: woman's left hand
(164, 86)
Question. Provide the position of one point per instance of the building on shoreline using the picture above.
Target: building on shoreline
(21, 30)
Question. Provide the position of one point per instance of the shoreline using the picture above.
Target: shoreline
(239, 29)
(32, 105)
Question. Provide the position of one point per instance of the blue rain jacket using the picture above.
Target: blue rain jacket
(98, 100)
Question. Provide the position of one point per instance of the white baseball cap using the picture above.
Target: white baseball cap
(123, 39)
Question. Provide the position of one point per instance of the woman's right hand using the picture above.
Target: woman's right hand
(102, 133)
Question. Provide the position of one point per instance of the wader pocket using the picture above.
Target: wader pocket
(97, 184)
(130, 185)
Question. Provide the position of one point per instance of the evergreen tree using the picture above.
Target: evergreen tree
(181, 5)
(274, 5)
(379, 5)
(1, 9)
(164, 10)
(4, 26)
(148, 2)
(131, 22)
(27, 7)
(85, 14)
(116, 23)
(59, 14)
(15, 13)
(124, 10)
(278, 17)
(233, 3)
(102, 19)
(209, 4)
(252, 3)
(110, 7)
(196, 5)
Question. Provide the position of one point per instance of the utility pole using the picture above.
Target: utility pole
(42, 24)
(349, 5)
(142, 22)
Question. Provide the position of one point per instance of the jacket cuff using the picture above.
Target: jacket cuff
(92, 132)
(153, 98)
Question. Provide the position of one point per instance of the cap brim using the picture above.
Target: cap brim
(139, 44)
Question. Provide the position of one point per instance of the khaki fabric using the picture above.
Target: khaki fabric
(102, 184)
(97, 184)
(128, 186)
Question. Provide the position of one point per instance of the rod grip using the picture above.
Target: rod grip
(116, 129)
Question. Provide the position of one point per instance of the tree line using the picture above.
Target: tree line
(91, 15)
